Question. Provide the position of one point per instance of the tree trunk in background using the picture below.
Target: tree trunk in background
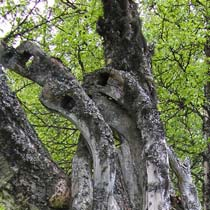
(206, 126)
(116, 103)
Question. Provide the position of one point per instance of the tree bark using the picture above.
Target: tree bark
(189, 197)
(29, 179)
(82, 187)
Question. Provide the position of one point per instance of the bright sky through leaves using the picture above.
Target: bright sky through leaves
(5, 25)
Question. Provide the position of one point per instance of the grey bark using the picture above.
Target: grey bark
(82, 180)
(62, 93)
(189, 196)
(28, 177)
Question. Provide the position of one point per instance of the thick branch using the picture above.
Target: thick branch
(25, 164)
(124, 43)
(63, 94)
(129, 156)
(82, 184)
(187, 189)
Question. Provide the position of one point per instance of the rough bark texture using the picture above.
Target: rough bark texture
(62, 93)
(82, 187)
(132, 89)
(189, 197)
(142, 138)
(118, 103)
(28, 177)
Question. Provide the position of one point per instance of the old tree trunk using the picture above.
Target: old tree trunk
(117, 102)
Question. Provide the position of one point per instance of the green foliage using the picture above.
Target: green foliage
(76, 42)
(1, 207)
(178, 31)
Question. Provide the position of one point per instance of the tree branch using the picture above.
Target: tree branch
(187, 189)
(62, 93)
(25, 164)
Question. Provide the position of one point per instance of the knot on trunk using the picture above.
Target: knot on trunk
(62, 196)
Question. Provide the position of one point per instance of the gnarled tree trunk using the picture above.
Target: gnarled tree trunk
(116, 103)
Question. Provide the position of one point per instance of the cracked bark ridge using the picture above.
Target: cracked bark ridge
(82, 180)
(25, 164)
(189, 196)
